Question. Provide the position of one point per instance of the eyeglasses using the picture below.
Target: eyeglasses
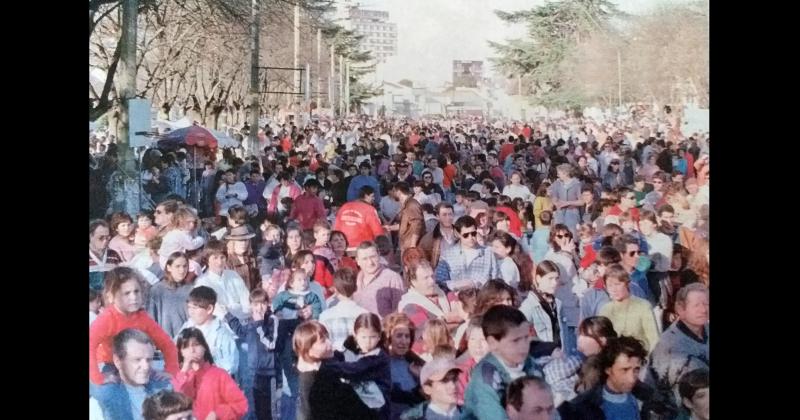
(466, 235)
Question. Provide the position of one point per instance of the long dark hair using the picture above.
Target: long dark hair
(521, 259)
(169, 281)
(183, 342)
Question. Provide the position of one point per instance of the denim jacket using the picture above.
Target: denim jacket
(115, 402)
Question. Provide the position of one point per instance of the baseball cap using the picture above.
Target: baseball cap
(437, 369)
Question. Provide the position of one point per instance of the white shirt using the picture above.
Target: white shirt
(238, 189)
(509, 272)
(660, 251)
(517, 191)
(231, 292)
(95, 412)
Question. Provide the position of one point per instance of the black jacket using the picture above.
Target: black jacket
(587, 406)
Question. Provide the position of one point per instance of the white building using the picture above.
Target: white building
(380, 35)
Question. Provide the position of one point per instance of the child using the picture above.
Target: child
(468, 299)
(212, 389)
(145, 230)
(322, 234)
(435, 334)
(228, 285)
(540, 242)
(366, 364)
(508, 336)
(94, 305)
(339, 319)
(297, 301)
(458, 208)
(258, 367)
(181, 239)
(477, 348)
(167, 405)
(200, 306)
(542, 202)
(123, 299)
(270, 251)
(586, 235)
(439, 379)
(167, 302)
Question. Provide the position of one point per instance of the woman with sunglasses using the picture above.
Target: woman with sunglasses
(563, 253)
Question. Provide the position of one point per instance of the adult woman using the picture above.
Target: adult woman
(541, 307)
(165, 216)
(516, 189)
(631, 316)
(213, 390)
(240, 256)
(566, 196)
(613, 177)
(494, 292)
(485, 228)
(294, 242)
(563, 253)
(399, 332)
(583, 168)
(321, 392)
(339, 244)
(101, 259)
(425, 300)
(573, 374)
(122, 229)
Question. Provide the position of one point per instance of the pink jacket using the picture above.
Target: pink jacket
(294, 192)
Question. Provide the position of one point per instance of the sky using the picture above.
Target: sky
(433, 33)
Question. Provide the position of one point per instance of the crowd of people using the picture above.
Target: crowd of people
(378, 268)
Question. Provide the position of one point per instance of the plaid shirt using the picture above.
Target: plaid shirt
(339, 320)
(562, 375)
(453, 265)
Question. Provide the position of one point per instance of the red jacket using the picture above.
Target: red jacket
(286, 144)
(515, 225)
(616, 211)
(307, 209)
(359, 222)
(110, 323)
(507, 149)
(294, 192)
(212, 389)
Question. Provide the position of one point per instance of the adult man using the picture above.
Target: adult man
(660, 251)
(231, 193)
(469, 264)
(411, 227)
(442, 237)
(379, 288)
(683, 347)
(655, 199)
(358, 219)
(255, 203)
(390, 208)
(627, 202)
(612, 398)
(338, 187)
(628, 247)
(438, 173)
(308, 208)
(122, 397)
(530, 398)
(361, 180)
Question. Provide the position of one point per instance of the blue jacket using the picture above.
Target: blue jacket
(256, 335)
(375, 368)
(115, 402)
(485, 393)
(359, 181)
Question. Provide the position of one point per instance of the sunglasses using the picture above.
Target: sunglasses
(634, 253)
(474, 234)
(562, 236)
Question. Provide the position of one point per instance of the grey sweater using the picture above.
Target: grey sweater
(678, 351)
(168, 306)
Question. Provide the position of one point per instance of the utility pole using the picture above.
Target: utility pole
(341, 85)
(296, 47)
(255, 108)
(347, 89)
(619, 76)
(319, 67)
(127, 82)
(331, 81)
